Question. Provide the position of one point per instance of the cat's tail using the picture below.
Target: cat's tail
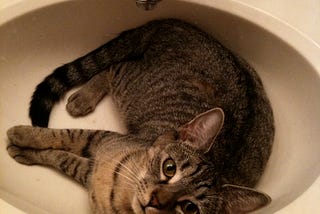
(53, 87)
(129, 44)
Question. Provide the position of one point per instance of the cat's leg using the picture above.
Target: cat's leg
(67, 150)
(78, 141)
(68, 163)
(85, 100)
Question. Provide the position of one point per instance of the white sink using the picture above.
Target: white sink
(37, 36)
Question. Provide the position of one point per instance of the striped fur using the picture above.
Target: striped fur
(170, 81)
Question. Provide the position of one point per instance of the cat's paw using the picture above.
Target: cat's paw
(21, 155)
(80, 104)
(21, 135)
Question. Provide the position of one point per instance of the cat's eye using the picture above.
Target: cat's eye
(169, 168)
(188, 207)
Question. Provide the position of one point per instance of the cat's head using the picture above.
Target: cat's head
(179, 179)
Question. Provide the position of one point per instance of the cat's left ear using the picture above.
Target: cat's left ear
(240, 200)
(200, 132)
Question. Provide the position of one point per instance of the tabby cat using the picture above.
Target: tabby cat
(199, 125)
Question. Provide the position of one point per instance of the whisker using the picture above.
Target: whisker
(125, 188)
(127, 170)
(129, 175)
(126, 176)
(136, 171)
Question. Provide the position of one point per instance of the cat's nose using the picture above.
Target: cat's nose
(154, 202)
(161, 199)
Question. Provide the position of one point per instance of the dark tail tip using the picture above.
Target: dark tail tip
(51, 89)
(39, 116)
(41, 104)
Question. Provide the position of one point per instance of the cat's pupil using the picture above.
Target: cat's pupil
(169, 168)
(189, 207)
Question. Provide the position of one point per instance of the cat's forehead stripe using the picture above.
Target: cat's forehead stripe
(185, 165)
(197, 170)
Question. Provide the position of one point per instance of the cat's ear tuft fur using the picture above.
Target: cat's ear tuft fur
(240, 200)
(200, 132)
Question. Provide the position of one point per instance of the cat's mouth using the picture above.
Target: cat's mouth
(139, 208)
(150, 210)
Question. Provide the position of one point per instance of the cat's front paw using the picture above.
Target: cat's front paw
(21, 155)
(80, 104)
(21, 135)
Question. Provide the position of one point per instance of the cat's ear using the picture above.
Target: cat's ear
(240, 200)
(200, 132)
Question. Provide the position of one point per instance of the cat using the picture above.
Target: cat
(200, 127)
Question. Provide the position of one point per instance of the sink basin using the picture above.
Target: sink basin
(37, 36)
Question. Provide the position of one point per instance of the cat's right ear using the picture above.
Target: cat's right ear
(201, 132)
(240, 200)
